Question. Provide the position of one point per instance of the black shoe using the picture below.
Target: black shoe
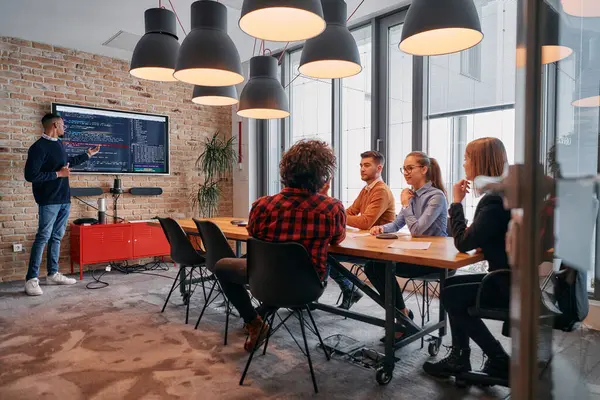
(349, 298)
(497, 366)
(398, 336)
(457, 362)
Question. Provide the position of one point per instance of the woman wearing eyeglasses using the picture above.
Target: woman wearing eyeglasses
(424, 211)
(483, 157)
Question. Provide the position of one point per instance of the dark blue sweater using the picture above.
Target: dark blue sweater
(44, 159)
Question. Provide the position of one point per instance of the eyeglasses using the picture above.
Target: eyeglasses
(407, 169)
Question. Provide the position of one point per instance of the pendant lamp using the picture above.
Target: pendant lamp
(215, 95)
(263, 97)
(587, 92)
(552, 49)
(208, 56)
(155, 55)
(582, 8)
(334, 53)
(434, 27)
(282, 20)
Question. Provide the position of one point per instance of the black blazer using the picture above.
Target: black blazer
(487, 232)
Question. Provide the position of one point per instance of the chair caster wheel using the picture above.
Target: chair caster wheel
(433, 348)
(383, 377)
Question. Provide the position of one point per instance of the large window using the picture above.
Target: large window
(356, 119)
(400, 102)
(471, 94)
(310, 104)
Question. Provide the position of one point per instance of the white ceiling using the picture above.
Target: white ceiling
(86, 24)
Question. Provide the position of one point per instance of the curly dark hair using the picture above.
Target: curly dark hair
(308, 164)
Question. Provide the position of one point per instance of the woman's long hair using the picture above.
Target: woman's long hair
(434, 172)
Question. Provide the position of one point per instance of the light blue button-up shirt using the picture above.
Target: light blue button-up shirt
(426, 215)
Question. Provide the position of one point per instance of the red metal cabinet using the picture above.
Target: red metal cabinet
(149, 241)
(92, 244)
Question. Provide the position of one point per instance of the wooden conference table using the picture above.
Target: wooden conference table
(358, 245)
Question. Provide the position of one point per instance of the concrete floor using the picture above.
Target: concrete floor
(113, 343)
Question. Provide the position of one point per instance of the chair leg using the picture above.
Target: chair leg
(270, 330)
(318, 334)
(252, 355)
(189, 300)
(424, 298)
(205, 304)
(310, 366)
(227, 309)
(170, 292)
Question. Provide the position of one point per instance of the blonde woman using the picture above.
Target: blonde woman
(487, 157)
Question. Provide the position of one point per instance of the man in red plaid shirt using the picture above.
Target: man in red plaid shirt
(301, 213)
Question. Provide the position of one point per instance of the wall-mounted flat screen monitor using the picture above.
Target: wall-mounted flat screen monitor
(131, 142)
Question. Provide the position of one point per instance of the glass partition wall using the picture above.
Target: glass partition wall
(547, 115)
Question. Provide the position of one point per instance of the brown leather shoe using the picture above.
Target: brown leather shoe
(257, 332)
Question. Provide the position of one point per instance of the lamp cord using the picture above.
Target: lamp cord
(177, 16)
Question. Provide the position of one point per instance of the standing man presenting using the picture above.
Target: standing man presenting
(47, 168)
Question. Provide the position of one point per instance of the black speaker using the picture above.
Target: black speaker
(86, 191)
(146, 191)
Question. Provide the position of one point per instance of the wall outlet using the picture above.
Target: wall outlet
(17, 247)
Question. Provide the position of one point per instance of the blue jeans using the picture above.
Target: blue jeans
(52, 224)
(344, 283)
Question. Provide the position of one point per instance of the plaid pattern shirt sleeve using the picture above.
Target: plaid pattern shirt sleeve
(295, 215)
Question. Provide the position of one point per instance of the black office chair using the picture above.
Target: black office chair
(282, 275)
(547, 311)
(217, 248)
(429, 286)
(184, 254)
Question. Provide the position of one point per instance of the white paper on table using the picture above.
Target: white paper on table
(355, 235)
(352, 229)
(410, 245)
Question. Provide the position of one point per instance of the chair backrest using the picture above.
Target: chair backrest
(282, 274)
(215, 243)
(182, 251)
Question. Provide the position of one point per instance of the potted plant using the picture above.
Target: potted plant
(215, 162)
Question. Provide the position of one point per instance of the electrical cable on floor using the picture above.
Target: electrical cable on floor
(97, 283)
(125, 268)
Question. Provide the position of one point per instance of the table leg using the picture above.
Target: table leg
(390, 319)
(443, 277)
(238, 248)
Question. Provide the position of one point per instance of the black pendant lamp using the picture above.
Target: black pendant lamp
(434, 27)
(263, 97)
(208, 56)
(215, 95)
(334, 53)
(282, 20)
(582, 8)
(155, 55)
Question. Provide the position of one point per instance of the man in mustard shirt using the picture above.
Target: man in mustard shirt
(374, 206)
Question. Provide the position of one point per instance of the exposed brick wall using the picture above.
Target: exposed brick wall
(32, 76)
